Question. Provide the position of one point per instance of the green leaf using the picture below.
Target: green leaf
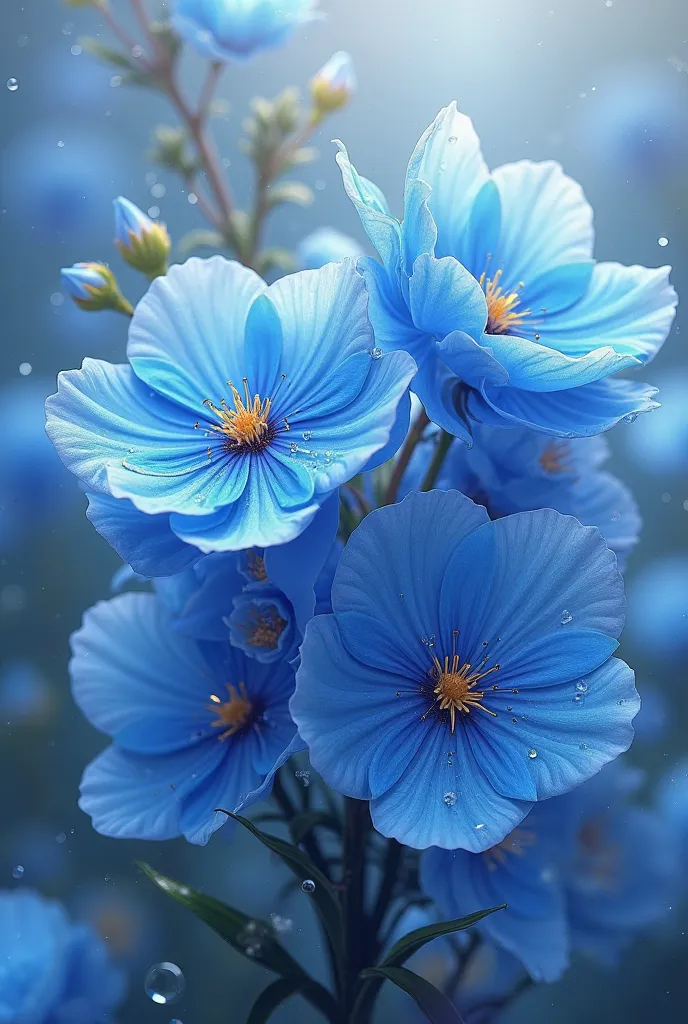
(301, 824)
(201, 238)
(434, 1004)
(276, 994)
(105, 53)
(324, 896)
(290, 192)
(402, 950)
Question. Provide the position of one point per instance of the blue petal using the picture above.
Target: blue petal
(382, 229)
(263, 791)
(145, 542)
(577, 412)
(441, 391)
(186, 338)
(419, 232)
(260, 600)
(234, 776)
(135, 796)
(445, 297)
(389, 313)
(556, 290)
(137, 680)
(472, 362)
(546, 221)
(203, 613)
(483, 230)
(449, 159)
(630, 308)
(102, 414)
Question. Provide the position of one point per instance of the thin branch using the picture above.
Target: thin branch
(415, 435)
(209, 86)
(394, 856)
(443, 445)
(127, 40)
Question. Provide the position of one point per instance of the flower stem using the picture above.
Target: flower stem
(443, 446)
(355, 924)
(394, 856)
(414, 436)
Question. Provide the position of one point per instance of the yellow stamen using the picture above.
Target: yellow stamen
(517, 842)
(503, 316)
(232, 714)
(264, 628)
(246, 426)
(454, 684)
(554, 459)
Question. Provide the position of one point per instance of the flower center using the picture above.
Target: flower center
(503, 314)
(234, 714)
(454, 684)
(248, 426)
(517, 843)
(554, 458)
(264, 628)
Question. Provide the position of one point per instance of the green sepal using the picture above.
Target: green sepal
(434, 1004)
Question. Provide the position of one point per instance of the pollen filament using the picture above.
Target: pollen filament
(454, 684)
(503, 315)
(233, 714)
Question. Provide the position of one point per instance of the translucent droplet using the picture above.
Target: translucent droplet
(158, 190)
(61, 837)
(137, 51)
(579, 698)
(622, 701)
(164, 983)
(583, 746)
(76, 50)
(307, 435)
(532, 753)
(662, 241)
(452, 140)
(154, 212)
(376, 353)
(12, 84)
(616, 516)
(631, 417)
(566, 617)
(115, 81)
(293, 447)
(582, 686)
(192, 198)
(450, 798)
(18, 871)
(428, 641)
(308, 885)
(305, 777)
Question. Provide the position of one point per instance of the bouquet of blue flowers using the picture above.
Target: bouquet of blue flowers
(372, 592)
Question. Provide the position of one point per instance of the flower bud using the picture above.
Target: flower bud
(332, 86)
(93, 287)
(143, 243)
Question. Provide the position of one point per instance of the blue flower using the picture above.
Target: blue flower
(489, 282)
(243, 407)
(585, 871)
(659, 443)
(262, 623)
(236, 29)
(326, 245)
(658, 607)
(444, 688)
(517, 470)
(52, 970)
(195, 725)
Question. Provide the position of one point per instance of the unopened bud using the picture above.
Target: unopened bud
(143, 243)
(333, 85)
(93, 287)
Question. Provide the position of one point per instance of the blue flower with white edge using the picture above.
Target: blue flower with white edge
(195, 725)
(326, 245)
(658, 607)
(489, 282)
(262, 623)
(517, 469)
(53, 969)
(443, 688)
(237, 29)
(143, 243)
(242, 408)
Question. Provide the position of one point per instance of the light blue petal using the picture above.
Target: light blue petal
(476, 364)
(442, 395)
(389, 313)
(449, 159)
(535, 367)
(186, 339)
(554, 291)
(445, 297)
(546, 221)
(102, 414)
(135, 796)
(145, 542)
(383, 230)
(419, 232)
(136, 679)
(630, 308)
(483, 231)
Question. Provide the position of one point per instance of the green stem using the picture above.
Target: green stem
(443, 446)
(413, 438)
(355, 924)
(394, 856)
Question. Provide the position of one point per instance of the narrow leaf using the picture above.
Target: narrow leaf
(279, 991)
(434, 1004)
(415, 940)
(324, 896)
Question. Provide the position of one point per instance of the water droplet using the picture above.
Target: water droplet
(76, 50)
(158, 190)
(666, 497)
(622, 701)
(452, 140)
(566, 617)
(308, 885)
(18, 871)
(305, 777)
(583, 746)
(154, 212)
(510, 707)
(137, 51)
(192, 198)
(60, 144)
(663, 240)
(450, 798)
(164, 983)
(428, 641)
(582, 686)
(579, 698)
(514, 721)
(293, 447)
(481, 825)
(631, 417)
(115, 81)
(22, 40)
(376, 353)
(12, 84)
(307, 435)
(67, 28)
(532, 753)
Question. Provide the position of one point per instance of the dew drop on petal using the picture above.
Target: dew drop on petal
(376, 353)
(293, 447)
(12, 84)
(566, 617)
(452, 140)
(582, 686)
(578, 698)
(307, 435)
(18, 871)
(481, 825)
(305, 777)
(616, 516)
(164, 983)
(308, 885)
(583, 746)
(450, 798)
(532, 753)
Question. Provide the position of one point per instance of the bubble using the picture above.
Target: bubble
(154, 212)
(307, 435)
(158, 190)
(450, 798)
(579, 698)
(137, 51)
(76, 50)
(566, 617)
(582, 686)
(631, 417)
(164, 983)
(320, 185)
(666, 497)
(25, 369)
(662, 240)
(12, 84)
(67, 28)
(452, 140)
(18, 871)
(376, 353)
(57, 299)
(281, 924)
(192, 198)
(252, 938)
(532, 753)
(115, 81)
(151, 178)
(616, 516)
(61, 837)
(60, 144)
(305, 777)
(308, 885)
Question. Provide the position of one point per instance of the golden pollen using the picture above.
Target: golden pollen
(503, 314)
(233, 714)
(256, 566)
(454, 684)
(246, 427)
(554, 458)
(264, 628)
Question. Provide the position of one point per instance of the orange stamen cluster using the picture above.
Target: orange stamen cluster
(454, 684)
(503, 315)
(233, 714)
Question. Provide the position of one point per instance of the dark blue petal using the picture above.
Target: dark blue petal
(145, 542)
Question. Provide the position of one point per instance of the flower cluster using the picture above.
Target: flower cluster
(429, 611)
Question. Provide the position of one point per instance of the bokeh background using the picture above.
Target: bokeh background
(602, 86)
